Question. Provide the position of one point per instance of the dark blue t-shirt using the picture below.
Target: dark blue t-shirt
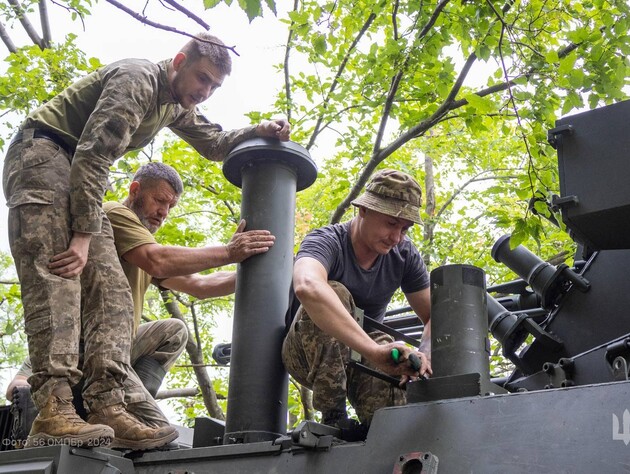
(371, 289)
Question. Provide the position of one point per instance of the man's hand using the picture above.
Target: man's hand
(70, 263)
(382, 359)
(279, 128)
(245, 244)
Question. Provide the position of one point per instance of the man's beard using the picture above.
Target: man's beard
(137, 207)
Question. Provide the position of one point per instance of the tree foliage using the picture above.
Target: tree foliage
(473, 86)
(459, 94)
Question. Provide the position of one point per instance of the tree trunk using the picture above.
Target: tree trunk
(306, 395)
(429, 186)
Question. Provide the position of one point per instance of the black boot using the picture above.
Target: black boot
(351, 430)
(24, 412)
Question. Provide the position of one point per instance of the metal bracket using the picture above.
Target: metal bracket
(222, 353)
(309, 434)
(557, 202)
(417, 462)
(560, 374)
(617, 355)
(620, 368)
(552, 135)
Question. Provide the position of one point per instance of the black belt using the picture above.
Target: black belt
(39, 133)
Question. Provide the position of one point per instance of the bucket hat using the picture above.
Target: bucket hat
(393, 193)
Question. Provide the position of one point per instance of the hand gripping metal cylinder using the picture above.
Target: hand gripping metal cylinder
(270, 173)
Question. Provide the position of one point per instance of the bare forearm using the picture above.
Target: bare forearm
(328, 313)
(166, 261)
(420, 302)
(203, 286)
(425, 342)
(170, 261)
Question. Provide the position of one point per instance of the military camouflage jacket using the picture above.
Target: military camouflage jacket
(116, 109)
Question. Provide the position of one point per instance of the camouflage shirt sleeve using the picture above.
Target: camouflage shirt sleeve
(208, 138)
(128, 93)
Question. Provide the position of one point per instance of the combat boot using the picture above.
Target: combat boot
(350, 429)
(130, 432)
(58, 423)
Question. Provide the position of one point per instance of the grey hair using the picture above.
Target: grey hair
(155, 171)
(212, 48)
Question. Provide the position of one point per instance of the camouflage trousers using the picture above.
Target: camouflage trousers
(97, 304)
(164, 341)
(320, 362)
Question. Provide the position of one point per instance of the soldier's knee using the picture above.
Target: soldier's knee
(343, 294)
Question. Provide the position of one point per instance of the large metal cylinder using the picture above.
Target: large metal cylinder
(547, 281)
(459, 321)
(270, 173)
(524, 263)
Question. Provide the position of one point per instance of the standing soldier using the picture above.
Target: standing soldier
(55, 174)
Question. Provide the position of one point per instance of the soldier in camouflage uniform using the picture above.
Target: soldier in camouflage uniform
(54, 179)
(154, 191)
(359, 263)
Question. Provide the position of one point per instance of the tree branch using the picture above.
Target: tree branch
(448, 105)
(6, 39)
(379, 155)
(287, 76)
(413, 132)
(177, 393)
(9, 282)
(459, 190)
(333, 86)
(146, 21)
(26, 24)
(43, 19)
(393, 89)
(188, 13)
(436, 13)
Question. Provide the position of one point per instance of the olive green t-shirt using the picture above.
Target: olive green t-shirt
(129, 233)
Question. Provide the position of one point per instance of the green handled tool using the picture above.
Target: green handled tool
(414, 360)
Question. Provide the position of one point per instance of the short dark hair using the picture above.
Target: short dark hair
(212, 48)
(154, 171)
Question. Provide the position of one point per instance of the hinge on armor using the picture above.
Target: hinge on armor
(618, 357)
(309, 434)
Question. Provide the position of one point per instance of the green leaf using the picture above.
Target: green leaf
(319, 43)
(208, 4)
(481, 104)
(253, 8)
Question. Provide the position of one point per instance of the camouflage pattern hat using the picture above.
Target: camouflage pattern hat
(393, 193)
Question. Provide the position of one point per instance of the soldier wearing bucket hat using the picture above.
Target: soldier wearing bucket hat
(341, 268)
